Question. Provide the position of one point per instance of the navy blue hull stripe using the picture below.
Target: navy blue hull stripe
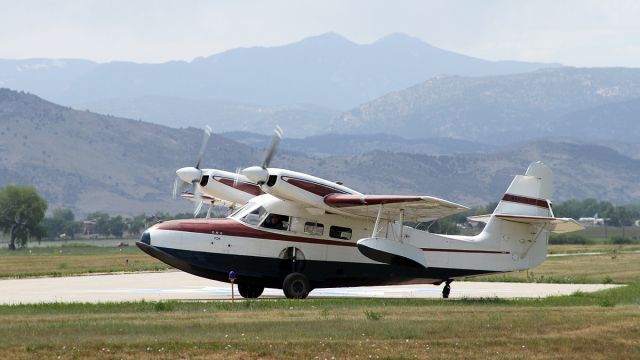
(270, 272)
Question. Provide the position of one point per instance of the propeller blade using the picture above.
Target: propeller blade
(198, 209)
(205, 139)
(178, 187)
(197, 196)
(275, 140)
(176, 183)
(235, 178)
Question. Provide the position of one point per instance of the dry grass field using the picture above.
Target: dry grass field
(600, 325)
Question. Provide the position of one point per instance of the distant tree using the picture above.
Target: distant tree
(61, 222)
(117, 226)
(21, 214)
(102, 222)
(136, 224)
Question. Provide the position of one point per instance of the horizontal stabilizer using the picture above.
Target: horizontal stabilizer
(556, 225)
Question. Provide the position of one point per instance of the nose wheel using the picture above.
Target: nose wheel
(446, 289)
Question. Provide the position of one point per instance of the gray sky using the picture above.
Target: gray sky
(572, 32)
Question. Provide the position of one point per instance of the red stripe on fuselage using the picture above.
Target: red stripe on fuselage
(467, 251)
(526, 200)
(233, 228)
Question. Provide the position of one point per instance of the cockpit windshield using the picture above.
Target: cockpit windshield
(253, 217)
(238, 210)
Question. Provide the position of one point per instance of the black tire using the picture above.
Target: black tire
(250, 291)
(296, 286)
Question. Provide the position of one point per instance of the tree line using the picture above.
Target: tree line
(22, 217)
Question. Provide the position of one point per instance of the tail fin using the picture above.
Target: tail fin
(529, 194)
(524, 217)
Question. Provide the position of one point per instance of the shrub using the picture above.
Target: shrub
(372, 315)
(621, 240)
(572, 239)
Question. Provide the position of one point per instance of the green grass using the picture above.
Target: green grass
(594, 325)
(74, 259)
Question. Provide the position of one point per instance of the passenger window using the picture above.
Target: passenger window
(276, 222)
(255, 217)
(340, 232)
(313, 228)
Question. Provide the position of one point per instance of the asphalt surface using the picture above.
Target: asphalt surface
(177, 285)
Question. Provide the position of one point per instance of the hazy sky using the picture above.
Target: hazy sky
(572, 32)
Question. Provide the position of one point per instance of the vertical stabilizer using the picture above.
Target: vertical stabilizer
(529, 194)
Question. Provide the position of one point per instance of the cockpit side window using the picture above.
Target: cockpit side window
(255, 217)
(276, 222)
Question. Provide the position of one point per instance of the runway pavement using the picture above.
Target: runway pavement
(177, 285)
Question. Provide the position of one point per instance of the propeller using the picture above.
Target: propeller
(191, 175)
(260, 174)
(235, 178)
(275, 140)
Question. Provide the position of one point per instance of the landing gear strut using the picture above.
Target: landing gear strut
(446, 289)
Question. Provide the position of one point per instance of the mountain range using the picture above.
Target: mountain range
(585, 103)
(88, 162)
(326, 70)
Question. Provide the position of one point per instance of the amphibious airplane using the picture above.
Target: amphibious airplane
(298, 232)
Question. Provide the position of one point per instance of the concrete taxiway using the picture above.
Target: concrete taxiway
(177, 285)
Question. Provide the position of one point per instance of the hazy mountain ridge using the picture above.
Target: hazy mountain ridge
(354, 144)
(327, 70)
(90, 162)
(502, 109)
(299, 119)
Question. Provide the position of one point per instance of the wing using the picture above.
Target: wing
(416, 208)
(205, 199)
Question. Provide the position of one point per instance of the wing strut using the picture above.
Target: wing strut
(401, 223)
(375, 226)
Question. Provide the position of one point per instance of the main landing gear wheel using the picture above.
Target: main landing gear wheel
(446, 289)
(250, 291)
(296, 286)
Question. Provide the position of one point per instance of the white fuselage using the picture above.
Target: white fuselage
(325, 245)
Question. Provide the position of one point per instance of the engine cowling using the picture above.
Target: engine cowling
(299, 187)
(228, 186)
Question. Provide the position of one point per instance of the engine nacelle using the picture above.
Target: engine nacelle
(219, 184)
(302, 188)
